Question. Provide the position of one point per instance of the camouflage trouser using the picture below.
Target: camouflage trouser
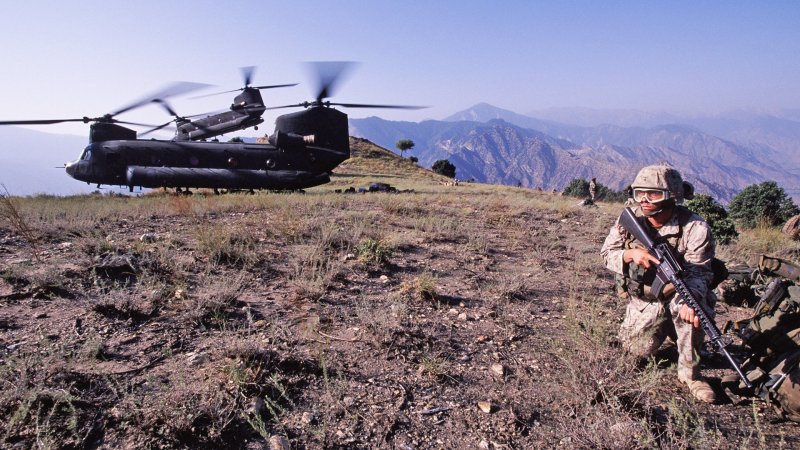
(647, 324)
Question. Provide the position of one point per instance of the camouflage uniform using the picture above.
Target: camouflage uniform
(649, 321)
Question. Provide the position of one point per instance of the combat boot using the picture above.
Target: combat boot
(700, 389)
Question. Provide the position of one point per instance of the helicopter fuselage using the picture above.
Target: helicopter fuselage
(304, 149)
(245, 112)
(217, 124)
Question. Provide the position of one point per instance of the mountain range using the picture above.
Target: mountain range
(720, 155)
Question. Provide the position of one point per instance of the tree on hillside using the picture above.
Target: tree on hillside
(765, 203)
(721, 225)
(236, 139)
(444, 167)
(579, 187)
(404, 145)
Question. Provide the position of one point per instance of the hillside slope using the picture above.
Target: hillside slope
(471, 316)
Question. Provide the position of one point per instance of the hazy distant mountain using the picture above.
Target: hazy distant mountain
(499, 146)
(777, 132)
(28, 161)
(586, 117)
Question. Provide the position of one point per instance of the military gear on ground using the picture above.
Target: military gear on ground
(779, 267)
(792, 227)
(737, 289)
(772, 335)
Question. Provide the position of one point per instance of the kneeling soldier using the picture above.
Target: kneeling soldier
(658, 190)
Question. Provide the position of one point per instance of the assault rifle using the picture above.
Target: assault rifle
(670, 271)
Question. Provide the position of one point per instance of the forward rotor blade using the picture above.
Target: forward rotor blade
(247, 74)
(206, 114)
(241, 89)
(132, 123)
(43, 122)
(156, 128)
(166, 106)
(213, 94)
(171, 90)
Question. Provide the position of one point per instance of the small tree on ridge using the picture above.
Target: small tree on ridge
(404, 145)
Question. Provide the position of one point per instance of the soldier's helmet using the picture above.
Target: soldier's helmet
(660, 177)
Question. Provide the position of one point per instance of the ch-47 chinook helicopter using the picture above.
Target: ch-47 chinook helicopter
(303, 150)
(245, 112)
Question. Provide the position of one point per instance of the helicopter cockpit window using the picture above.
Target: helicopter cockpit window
(87, 154)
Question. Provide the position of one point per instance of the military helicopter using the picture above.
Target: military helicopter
(303, 150)
(245, 112)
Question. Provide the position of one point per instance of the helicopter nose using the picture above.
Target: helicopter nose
(70, 168)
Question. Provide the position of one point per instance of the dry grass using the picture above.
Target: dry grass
(241, 317)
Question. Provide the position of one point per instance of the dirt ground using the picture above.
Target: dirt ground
(451, 317)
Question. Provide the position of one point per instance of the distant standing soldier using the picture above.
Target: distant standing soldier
(658, 190)
(629, 193)
(592, 189)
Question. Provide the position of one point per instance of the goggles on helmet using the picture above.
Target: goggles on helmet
(652, 195)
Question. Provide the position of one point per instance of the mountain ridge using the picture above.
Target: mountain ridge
(494, 145)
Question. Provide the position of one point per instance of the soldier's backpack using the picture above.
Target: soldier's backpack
(772, 336)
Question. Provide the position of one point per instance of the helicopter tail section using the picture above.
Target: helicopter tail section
(328, 126)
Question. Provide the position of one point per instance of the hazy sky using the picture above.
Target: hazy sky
(69, 59)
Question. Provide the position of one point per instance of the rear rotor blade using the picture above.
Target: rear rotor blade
(361, 105)
(272, 86)
(296, 105)
(328, 73)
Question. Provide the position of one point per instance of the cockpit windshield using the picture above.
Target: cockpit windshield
(87, 153)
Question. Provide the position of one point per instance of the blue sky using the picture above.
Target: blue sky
(69, 59)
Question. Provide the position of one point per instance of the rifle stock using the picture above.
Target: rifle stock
(670, 271)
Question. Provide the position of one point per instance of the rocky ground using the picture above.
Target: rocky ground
(449, 317)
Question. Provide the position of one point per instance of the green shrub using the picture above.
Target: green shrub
(375, 250)
(765, 203)
(716, 216)
(577, 187)
(444, 167)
